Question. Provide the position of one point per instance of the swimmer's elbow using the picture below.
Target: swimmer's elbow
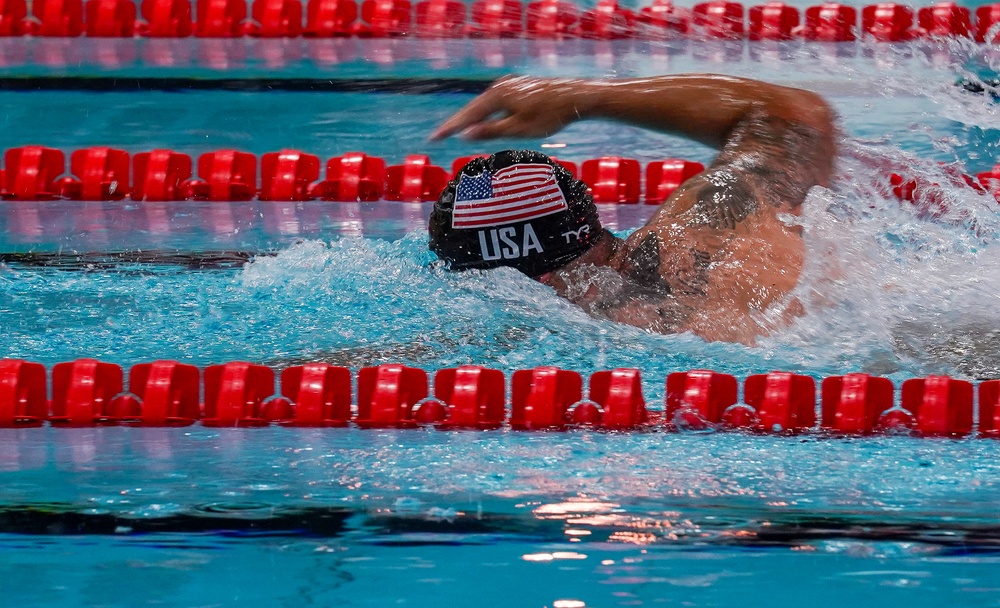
(813, 110)
(821, 115)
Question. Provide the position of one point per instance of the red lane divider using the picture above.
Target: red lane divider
(987, 22)
(387, 395)
(160, 175)
(830, 22)
(22, 394)
(942, 406)
(783, 402)
(608, 21)
(773, 21)
(287, 175)
(275, 19)
(701, 397)
(612, 179)
(440, 19)
(87, 392)
(541, 398)
(165, 19)
(719, 19)
(83, 391)
(989, 408)
(415, 181)
(235, 394)
(330, 18)
(316, 394)
(34, 173)
(854, 403)
(220, 18)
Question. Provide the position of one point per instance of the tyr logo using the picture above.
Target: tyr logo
(578, 234)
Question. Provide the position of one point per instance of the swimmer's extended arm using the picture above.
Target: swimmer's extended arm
(705, 108)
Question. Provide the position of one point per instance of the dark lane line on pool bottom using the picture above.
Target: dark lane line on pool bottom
(407, 86)
(124, 260)
(456, 528)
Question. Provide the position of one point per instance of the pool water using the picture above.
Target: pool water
(276, 517)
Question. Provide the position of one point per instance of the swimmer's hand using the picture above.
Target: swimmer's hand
(518, 107)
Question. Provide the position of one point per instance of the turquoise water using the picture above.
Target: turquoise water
(284, 517)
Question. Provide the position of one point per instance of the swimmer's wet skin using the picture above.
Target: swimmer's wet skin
(712, 259)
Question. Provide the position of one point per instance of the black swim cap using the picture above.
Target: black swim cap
(516, 208)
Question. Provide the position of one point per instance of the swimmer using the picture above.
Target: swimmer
(719, 258)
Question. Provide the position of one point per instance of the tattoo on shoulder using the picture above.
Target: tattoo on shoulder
(722, 202)
(782, 159)
(694, 280)
(643, 267)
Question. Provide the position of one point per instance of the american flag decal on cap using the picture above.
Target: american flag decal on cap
(513, 194)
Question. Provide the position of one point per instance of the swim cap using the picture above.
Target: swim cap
(516, 208)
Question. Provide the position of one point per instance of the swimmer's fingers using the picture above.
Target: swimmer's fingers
(508, 126)
(476, 111)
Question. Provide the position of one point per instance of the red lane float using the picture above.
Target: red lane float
(607, 21)
(662, 178)
(288, 175)
(716, 19)
(612, 179)
(384, 18)
(496, 19)
(474, 397)
(99, 174)
(387, 395)
(989, 409)
(353, 177)
(31, 173)
(275, 19)
(415, 181)
(990, 180)
(888, 22)
(783, 402)
(82, 392)
(225, 175)
(541, 398)
(159, 175)
(854, 403)
(719, 19)
(165, 19)
(773, 21)
(330, 18)
(22, 394)
(945, 19)
(440, 19)
(12, 17)
(110, 18)
(829, 22)
(988, 24)
(220, 18)
(663, 19)
(551, 18)
(698, 397)
(317, 394)
(618, 392)
(942, 406)
(163, 393)
(235, 394)
(56, 18)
